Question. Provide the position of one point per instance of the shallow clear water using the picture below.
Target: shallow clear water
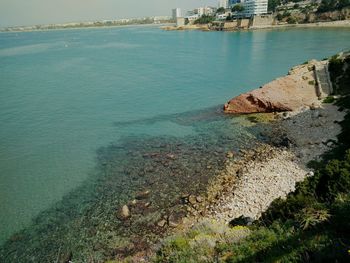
(65, 94)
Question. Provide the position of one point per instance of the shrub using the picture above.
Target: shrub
(291, 20)
(329, 99)
(312, 82)
(311, 225)
(205, 19)
(201, 243)
(310, 217)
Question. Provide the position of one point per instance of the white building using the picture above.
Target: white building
(221, 16)
(223, 3)
(204, 11)
(254, 7)
(176, 13)
(192, 18)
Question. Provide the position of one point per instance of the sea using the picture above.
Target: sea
(91, 119)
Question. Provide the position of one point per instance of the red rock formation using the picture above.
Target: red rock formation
(248, 103)
(288, 93)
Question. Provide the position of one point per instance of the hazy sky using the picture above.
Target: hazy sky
(31, 12)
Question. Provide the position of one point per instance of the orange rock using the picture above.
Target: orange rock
(283, 94)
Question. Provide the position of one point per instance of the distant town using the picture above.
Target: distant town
(103, 23)
(227, 15)
(226, 9)
(244, 14)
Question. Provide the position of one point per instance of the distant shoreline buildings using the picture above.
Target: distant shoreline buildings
(255, 7)
(249, 8)
(176, 13)
(102, 23)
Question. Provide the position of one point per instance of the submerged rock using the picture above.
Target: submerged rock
(125, 212)
(230, 154)
(143, 195)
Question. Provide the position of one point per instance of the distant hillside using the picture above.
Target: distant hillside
(309, 11)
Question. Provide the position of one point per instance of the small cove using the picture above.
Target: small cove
(80, 107)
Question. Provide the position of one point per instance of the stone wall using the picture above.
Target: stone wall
(244, 23)
(263, 20)
(230, 25)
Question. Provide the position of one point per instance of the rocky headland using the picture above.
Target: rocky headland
(298, 89)
(303, 130)
(163, 186)
(300, 129)
(258, 185)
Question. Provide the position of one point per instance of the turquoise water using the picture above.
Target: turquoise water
(65, 94)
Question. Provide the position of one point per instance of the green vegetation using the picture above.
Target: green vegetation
(200, 244)
(205, 19)
(311, 225)
(237, 8)
(329, 99)
(272, 5)
(285, 14)
(332, 5)
(308, 13)
(291, 20)
(340, 74)
(220, 10)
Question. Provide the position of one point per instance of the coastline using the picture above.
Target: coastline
(272, 170)
(330, 24)
(249, 163)
(83, 28)
(205, 28)
(253, 178)
(303, 128)
(339, 23)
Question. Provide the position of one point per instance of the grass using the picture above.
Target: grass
(311, 225)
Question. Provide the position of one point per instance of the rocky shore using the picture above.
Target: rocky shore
(303, 129)
(271, 170)
(289, 93)
(149, 188)
(252, 178)
(205, 27)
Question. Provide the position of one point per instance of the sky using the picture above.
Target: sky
(33, 12)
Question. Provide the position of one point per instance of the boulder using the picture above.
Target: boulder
(162, 223)
(125, 212)
(192, 199)
(242, 221)
(143, 195)
(283, 94)
(174, 219)
(230, 154)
